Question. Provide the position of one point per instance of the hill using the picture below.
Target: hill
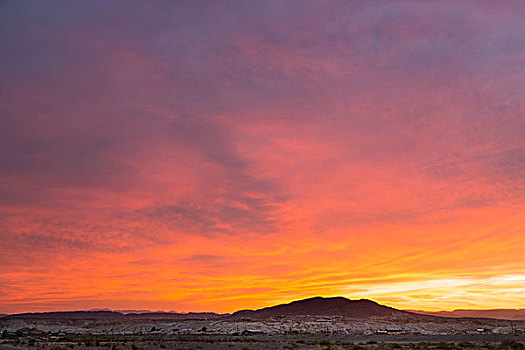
(501, 314)
(113, 315)
(69, 315)
(319, 306)
(174, 316)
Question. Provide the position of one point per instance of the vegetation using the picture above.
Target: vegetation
(47, 341)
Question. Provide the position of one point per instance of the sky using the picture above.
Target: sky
(222, 155)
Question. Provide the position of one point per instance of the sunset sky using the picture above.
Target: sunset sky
(221, 155)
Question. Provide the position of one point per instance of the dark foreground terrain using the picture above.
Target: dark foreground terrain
(253, 342)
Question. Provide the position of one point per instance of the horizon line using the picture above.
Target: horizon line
(159, 311)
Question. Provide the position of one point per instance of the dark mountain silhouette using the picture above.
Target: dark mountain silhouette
(107, 315)
(174, 316)
(502, 314)
(318, 306)
(70, 315)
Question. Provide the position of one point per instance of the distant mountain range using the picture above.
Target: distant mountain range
(502, 314)
(318, 306)
(133, 311)
(108, 315)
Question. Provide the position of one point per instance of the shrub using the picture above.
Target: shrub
(511, 344)
(465, 344)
